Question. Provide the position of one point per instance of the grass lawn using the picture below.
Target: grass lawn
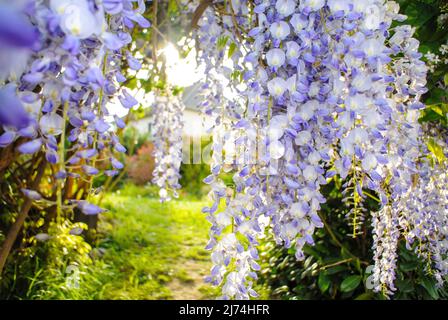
(152, 250)
(144, 250)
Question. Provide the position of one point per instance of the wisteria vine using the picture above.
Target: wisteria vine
(328, 89)
(65, 62)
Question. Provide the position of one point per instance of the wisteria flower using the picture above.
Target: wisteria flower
(51, 124)
(12, 111)
(313, 4)
(30, 147)
(298, 22)
(33, 195)
(275, 57)
(77, 19)
(277, 87)
(280, 30)
(285, 7)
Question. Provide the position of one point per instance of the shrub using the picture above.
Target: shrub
(141, 165)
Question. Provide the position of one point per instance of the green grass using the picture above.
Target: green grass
(154, 250)
(148, 243)
(144, 250)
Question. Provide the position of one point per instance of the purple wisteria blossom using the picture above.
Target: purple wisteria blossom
(61, 60)
(328, 92)
(167, 126)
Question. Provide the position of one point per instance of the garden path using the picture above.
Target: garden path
(154, 250)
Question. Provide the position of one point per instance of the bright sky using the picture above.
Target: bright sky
(181, 72)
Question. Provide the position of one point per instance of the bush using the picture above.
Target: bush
(192, 175)
(141, 165)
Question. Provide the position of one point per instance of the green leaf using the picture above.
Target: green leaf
(357, 264)
(437, 96)
(405, 285)
(406, 255)
(437, 109)
(419, 13)
(345, 254)
(232, 49)
(132, 83)
(445, 79)
(222, 41)
(436, 150)
(323, 282)
(430, 287)
(365, 296)
(430, 115)
(172, 7)
(237, 75)
(350, 283)
(408, 266)
(310, 251)
(335, 269)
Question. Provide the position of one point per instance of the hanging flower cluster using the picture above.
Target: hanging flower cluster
(436, 59)
(167, 127)
(425, 206)
(222, 103)
(328, 88)
(65, 66)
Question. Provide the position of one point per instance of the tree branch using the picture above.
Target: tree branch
(23, 214)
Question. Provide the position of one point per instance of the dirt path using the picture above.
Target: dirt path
(155, 251)
(191, 288)
(188, 283)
